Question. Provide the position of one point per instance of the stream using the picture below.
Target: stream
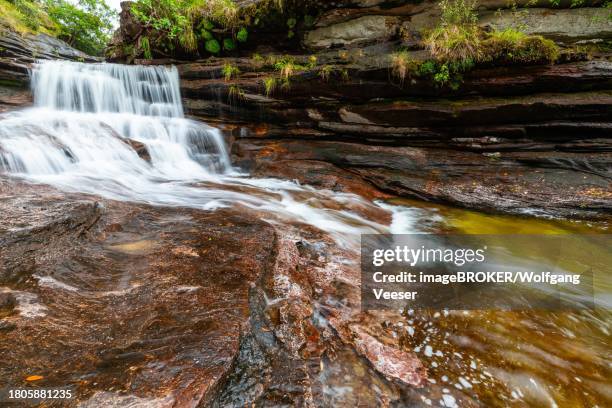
(119, 134)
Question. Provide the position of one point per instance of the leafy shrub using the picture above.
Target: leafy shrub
(242, 35)
(169, 23)
(212, 46)
(29, 13)
(166, 20)
(206, 35)
(229, 44)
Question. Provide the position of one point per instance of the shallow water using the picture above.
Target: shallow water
(518, 358)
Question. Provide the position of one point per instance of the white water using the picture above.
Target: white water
(80, 137)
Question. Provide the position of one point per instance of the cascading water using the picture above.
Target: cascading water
(120, 132)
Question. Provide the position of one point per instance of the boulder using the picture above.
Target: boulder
(359, 31)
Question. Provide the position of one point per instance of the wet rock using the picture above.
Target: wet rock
(119, 307)
(35, 231)
(389, 361)
(551, 182)
(141, 150)
(318, 174)
(7, 303)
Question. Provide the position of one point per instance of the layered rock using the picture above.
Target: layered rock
(518, 139)
(569, 25)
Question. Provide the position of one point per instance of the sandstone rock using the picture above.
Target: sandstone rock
(542, 182)
(119, 319)
(569, 25)
(392, 363)
(359, 31)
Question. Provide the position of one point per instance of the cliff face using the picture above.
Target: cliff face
(515, 138)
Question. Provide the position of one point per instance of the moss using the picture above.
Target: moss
(512, 46)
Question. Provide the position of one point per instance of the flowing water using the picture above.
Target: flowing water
(120, 132)
(87, 120)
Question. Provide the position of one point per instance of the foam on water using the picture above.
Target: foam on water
(90, 122)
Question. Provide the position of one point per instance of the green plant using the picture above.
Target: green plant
(309, 20)
(224, 12)
(448, 74)
(166, 22)
(270, 85)
(402, 64)
(453, 43)
(242, 35)
(512, 46)
(287, 67)
(312, 62)
(212, 46)
(235, 93)
(29, 13)
(344, 74)
(206, 24)
(229, 44)
(325, 72)
(457, 35)
(458, 12)
(146, 47)
(169, 23)
(206, 35)
(291, 23)
(230, 71)
(427, 68)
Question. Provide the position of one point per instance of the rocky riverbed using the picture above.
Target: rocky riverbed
(141, 304)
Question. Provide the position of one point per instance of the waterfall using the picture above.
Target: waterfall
(119, 132)
(108, 117)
